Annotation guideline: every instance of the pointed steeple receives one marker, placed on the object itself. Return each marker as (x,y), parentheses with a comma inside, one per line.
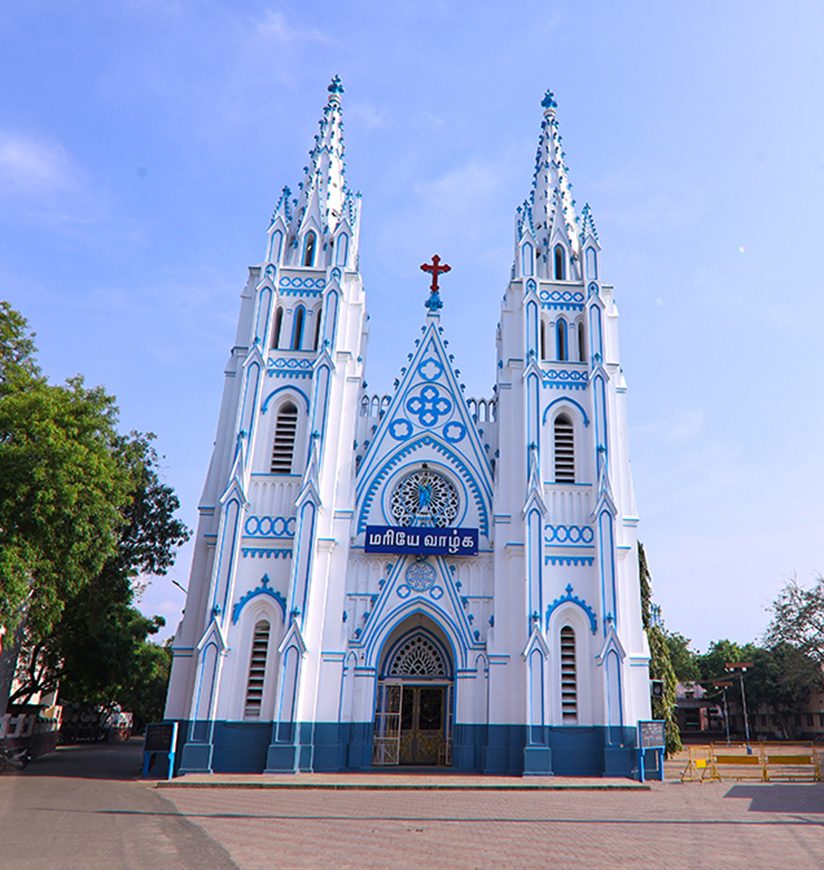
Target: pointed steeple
(323,193)
(548,214)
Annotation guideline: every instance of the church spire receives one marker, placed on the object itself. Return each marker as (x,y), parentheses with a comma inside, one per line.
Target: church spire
(548,214)
(323,194)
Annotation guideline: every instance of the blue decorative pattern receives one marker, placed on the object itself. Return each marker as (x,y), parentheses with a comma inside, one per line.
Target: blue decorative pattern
(565,379)
(262,589)
(265,553)
(430,368)
(400,429)
(573,599)
(566,300)
(301,286)
(429,406)
(562,536)
(454,432)
(289,367)
(269,527)
(568,560)
(420,576)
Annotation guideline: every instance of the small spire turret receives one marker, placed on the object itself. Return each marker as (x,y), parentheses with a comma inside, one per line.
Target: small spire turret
(549,211)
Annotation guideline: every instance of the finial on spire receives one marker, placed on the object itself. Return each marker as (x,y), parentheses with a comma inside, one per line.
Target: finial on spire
(548,102)
(335,88)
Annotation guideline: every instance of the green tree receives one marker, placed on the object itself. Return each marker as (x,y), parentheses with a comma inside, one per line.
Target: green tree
(798,618)
(660,665)
(684,660)
(62,486)
(712,663)
(99,650)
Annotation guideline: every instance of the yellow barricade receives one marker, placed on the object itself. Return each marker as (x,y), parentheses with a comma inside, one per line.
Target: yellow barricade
(697,765)
(796,763)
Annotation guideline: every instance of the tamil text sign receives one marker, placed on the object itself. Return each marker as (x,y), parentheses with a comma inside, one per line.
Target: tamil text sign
(421,541)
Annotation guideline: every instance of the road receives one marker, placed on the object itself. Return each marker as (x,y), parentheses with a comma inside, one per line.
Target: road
(85,808)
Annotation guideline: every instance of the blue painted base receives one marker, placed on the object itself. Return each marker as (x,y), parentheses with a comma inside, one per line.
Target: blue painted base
(257,747)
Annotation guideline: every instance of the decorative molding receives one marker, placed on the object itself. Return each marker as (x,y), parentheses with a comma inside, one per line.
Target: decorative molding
(563,536)
(262,589)
(301,286)
(566,300)
(569,598)
(269,527)
(569,561)
(289,367)
(265,553)
(564,379)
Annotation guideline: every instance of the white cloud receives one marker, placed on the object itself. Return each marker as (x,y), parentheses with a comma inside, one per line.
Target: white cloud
(34,167)
(367,115)
(274,27)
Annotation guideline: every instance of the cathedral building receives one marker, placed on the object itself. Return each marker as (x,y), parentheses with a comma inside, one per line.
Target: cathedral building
(416,577)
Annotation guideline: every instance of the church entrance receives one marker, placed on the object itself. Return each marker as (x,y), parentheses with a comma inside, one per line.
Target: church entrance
(413,710)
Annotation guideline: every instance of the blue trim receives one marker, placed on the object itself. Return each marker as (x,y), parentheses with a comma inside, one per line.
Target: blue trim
(569,402)
(262,589)
(569,598)
(289,389)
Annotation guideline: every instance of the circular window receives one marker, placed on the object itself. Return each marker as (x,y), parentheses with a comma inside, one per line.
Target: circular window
(424,498)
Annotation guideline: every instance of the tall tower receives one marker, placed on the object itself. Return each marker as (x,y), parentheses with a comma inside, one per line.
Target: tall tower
(280,479)
(564,486)
(415,576)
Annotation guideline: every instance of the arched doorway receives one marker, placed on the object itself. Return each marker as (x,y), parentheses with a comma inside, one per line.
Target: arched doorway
(413,707)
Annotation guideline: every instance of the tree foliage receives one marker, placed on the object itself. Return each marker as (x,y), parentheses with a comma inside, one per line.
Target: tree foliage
(660,666)
(684,660)
(83,512)
(98,651)
(798,618)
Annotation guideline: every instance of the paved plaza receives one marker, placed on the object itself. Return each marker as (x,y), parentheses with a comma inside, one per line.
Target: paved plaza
(85,807)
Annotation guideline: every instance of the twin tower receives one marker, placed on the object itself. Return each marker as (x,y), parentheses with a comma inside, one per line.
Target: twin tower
(416,577)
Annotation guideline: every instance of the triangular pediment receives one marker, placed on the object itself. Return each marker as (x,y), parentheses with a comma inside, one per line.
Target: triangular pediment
(428,420)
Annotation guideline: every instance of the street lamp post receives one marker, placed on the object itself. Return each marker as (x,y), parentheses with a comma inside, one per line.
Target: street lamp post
(724,685)
(740,668)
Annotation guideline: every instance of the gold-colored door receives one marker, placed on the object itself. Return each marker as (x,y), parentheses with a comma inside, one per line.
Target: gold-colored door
(422,725)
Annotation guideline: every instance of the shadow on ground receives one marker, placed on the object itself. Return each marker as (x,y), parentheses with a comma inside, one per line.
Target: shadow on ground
(781,797)
(115,761)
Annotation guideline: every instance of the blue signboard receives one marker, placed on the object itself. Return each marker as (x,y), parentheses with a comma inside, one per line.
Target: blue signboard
(421,541)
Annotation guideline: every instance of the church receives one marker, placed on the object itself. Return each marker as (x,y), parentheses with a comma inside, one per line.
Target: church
(416,577)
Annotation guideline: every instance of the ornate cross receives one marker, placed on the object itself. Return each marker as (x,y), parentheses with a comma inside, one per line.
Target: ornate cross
(435,268)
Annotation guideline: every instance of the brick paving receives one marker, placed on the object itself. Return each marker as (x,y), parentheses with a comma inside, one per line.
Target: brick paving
(719,825)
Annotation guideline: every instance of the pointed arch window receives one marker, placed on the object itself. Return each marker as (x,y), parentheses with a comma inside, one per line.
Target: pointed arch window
(564,442)
(569,677)
(592,263)
(526,259)
(543,341)
(257,671)
(316,341)
(561,340)
(342,249)
(283,447)
(297,328)
(309,246)
(275,243)
(582,342)
(277,327)
(559,263)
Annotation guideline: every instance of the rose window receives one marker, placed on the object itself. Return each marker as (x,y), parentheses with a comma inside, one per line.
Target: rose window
(424,498)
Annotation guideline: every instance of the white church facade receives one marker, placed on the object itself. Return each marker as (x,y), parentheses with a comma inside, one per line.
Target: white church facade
(416,578)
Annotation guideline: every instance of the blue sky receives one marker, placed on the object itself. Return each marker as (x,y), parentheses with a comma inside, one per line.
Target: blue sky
(143,144)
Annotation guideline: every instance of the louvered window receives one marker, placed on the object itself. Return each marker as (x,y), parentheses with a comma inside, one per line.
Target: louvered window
(257,671)
(283,448)
(564,450)
(569,677)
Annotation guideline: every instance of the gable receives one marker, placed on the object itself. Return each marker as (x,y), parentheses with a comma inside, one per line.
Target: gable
(429,421)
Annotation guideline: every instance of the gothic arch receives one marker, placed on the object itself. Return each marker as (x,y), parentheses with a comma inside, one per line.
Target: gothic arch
(453,463)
